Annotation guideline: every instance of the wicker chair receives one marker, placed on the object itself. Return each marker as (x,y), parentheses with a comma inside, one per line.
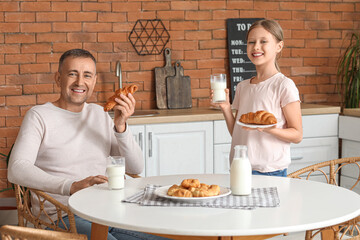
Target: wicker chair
(344,230)
(15,232)
(25,215)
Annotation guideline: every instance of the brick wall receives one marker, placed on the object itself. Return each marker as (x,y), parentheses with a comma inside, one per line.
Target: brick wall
(33,34)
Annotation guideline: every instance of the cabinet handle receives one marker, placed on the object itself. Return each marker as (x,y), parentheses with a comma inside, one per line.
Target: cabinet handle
(150,144)
(141,141)
(296,158)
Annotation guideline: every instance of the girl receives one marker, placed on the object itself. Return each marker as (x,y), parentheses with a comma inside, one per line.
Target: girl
(269,90)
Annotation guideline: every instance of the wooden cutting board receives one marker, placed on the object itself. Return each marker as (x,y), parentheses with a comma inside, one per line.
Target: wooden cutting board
(161,73)
(178,89)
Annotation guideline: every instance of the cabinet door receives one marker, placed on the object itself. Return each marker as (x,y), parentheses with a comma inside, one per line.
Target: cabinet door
(138,131)
(221,158)
(221,133)
(179,148)
(311,151)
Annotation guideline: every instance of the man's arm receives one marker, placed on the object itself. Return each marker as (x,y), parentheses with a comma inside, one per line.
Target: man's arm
(22,169)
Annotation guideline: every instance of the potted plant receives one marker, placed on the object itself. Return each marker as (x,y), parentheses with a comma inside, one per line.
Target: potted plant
(348,74)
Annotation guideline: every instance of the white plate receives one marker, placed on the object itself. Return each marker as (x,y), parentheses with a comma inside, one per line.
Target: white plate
(162,192)
(257,126)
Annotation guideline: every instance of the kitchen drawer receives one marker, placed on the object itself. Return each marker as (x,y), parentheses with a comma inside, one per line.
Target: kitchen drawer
(221,133)
(324,125)
(348,182)
(221,158)
(349,128)
(311,151)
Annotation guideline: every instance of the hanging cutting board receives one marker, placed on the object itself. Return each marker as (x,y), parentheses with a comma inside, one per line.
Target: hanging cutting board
(178,89)
(161,73)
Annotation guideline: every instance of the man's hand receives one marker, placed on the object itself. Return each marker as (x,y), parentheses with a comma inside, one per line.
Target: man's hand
(87,182)
(123,110)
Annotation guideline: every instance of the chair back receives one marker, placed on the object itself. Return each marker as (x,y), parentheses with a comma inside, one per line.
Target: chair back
(41,218)
(331,171)
(9,232)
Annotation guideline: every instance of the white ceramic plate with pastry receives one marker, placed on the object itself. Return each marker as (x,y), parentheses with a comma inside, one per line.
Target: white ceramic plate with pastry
(258,125)
(162,192)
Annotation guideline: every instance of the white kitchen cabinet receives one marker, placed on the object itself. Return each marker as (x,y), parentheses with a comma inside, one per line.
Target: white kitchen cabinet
(221,158)
(311,151)
(178,148)
(322,125)
(349,132)
(204,147)
(320,143)
(138,132)
(222,145)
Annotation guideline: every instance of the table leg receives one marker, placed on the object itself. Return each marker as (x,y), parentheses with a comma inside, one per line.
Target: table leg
(327,234)
(99,232)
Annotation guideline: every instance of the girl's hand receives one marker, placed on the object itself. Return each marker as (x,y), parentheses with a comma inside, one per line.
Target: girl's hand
(259,129)
(222,105)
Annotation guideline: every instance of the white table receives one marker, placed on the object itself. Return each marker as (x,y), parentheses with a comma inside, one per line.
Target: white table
(304,205)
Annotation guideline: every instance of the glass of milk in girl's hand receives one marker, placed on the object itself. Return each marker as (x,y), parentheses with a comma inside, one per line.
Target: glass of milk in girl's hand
(218,85)
(115,172)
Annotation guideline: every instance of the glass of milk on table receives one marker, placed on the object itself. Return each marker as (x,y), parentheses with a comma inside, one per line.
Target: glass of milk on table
(218,84)
(115,172)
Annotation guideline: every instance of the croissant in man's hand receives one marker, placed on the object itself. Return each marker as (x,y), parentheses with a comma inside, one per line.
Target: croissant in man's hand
(260,118)
(110,104)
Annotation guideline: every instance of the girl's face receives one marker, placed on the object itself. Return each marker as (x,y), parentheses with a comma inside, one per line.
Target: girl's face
(262,47)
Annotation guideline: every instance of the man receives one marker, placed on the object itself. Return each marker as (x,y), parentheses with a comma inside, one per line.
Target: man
(62,146)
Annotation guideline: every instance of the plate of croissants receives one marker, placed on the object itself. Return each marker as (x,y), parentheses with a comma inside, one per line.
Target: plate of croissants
(259,119)
(191,190)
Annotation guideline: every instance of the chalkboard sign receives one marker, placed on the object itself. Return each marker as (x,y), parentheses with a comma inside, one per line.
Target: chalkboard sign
(240,67)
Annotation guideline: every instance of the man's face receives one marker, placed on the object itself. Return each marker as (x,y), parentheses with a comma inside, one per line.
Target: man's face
(77,79)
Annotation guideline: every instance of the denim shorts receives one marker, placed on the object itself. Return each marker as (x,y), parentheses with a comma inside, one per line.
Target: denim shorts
(279,173)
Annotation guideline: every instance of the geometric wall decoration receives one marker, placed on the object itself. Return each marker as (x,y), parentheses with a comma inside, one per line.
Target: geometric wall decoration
(149,37)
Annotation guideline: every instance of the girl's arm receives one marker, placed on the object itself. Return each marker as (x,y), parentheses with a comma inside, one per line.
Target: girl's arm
(293,133)
(226,109)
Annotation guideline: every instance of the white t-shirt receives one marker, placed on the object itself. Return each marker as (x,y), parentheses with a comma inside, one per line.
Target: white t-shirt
(56,147)
(266,152)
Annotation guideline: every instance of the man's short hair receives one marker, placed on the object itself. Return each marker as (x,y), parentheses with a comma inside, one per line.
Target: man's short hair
(75,53)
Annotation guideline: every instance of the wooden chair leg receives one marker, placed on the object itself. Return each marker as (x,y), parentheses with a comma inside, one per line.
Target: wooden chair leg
(308,235)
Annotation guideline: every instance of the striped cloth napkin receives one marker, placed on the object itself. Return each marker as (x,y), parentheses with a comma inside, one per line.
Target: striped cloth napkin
(259,197)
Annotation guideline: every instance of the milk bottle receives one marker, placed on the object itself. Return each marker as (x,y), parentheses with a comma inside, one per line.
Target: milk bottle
(240,172)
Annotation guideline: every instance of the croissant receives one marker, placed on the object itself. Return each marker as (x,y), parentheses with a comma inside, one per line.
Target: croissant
(110,104)
(260,117)
(193,188)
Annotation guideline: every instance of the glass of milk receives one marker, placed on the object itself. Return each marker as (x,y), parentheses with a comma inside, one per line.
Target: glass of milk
(115,172)
(218,85)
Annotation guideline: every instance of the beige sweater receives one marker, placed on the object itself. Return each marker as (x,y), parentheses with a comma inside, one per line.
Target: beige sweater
(56,147)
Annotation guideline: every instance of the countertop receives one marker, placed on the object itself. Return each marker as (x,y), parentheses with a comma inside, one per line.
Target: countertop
(354,112)
(210,114)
